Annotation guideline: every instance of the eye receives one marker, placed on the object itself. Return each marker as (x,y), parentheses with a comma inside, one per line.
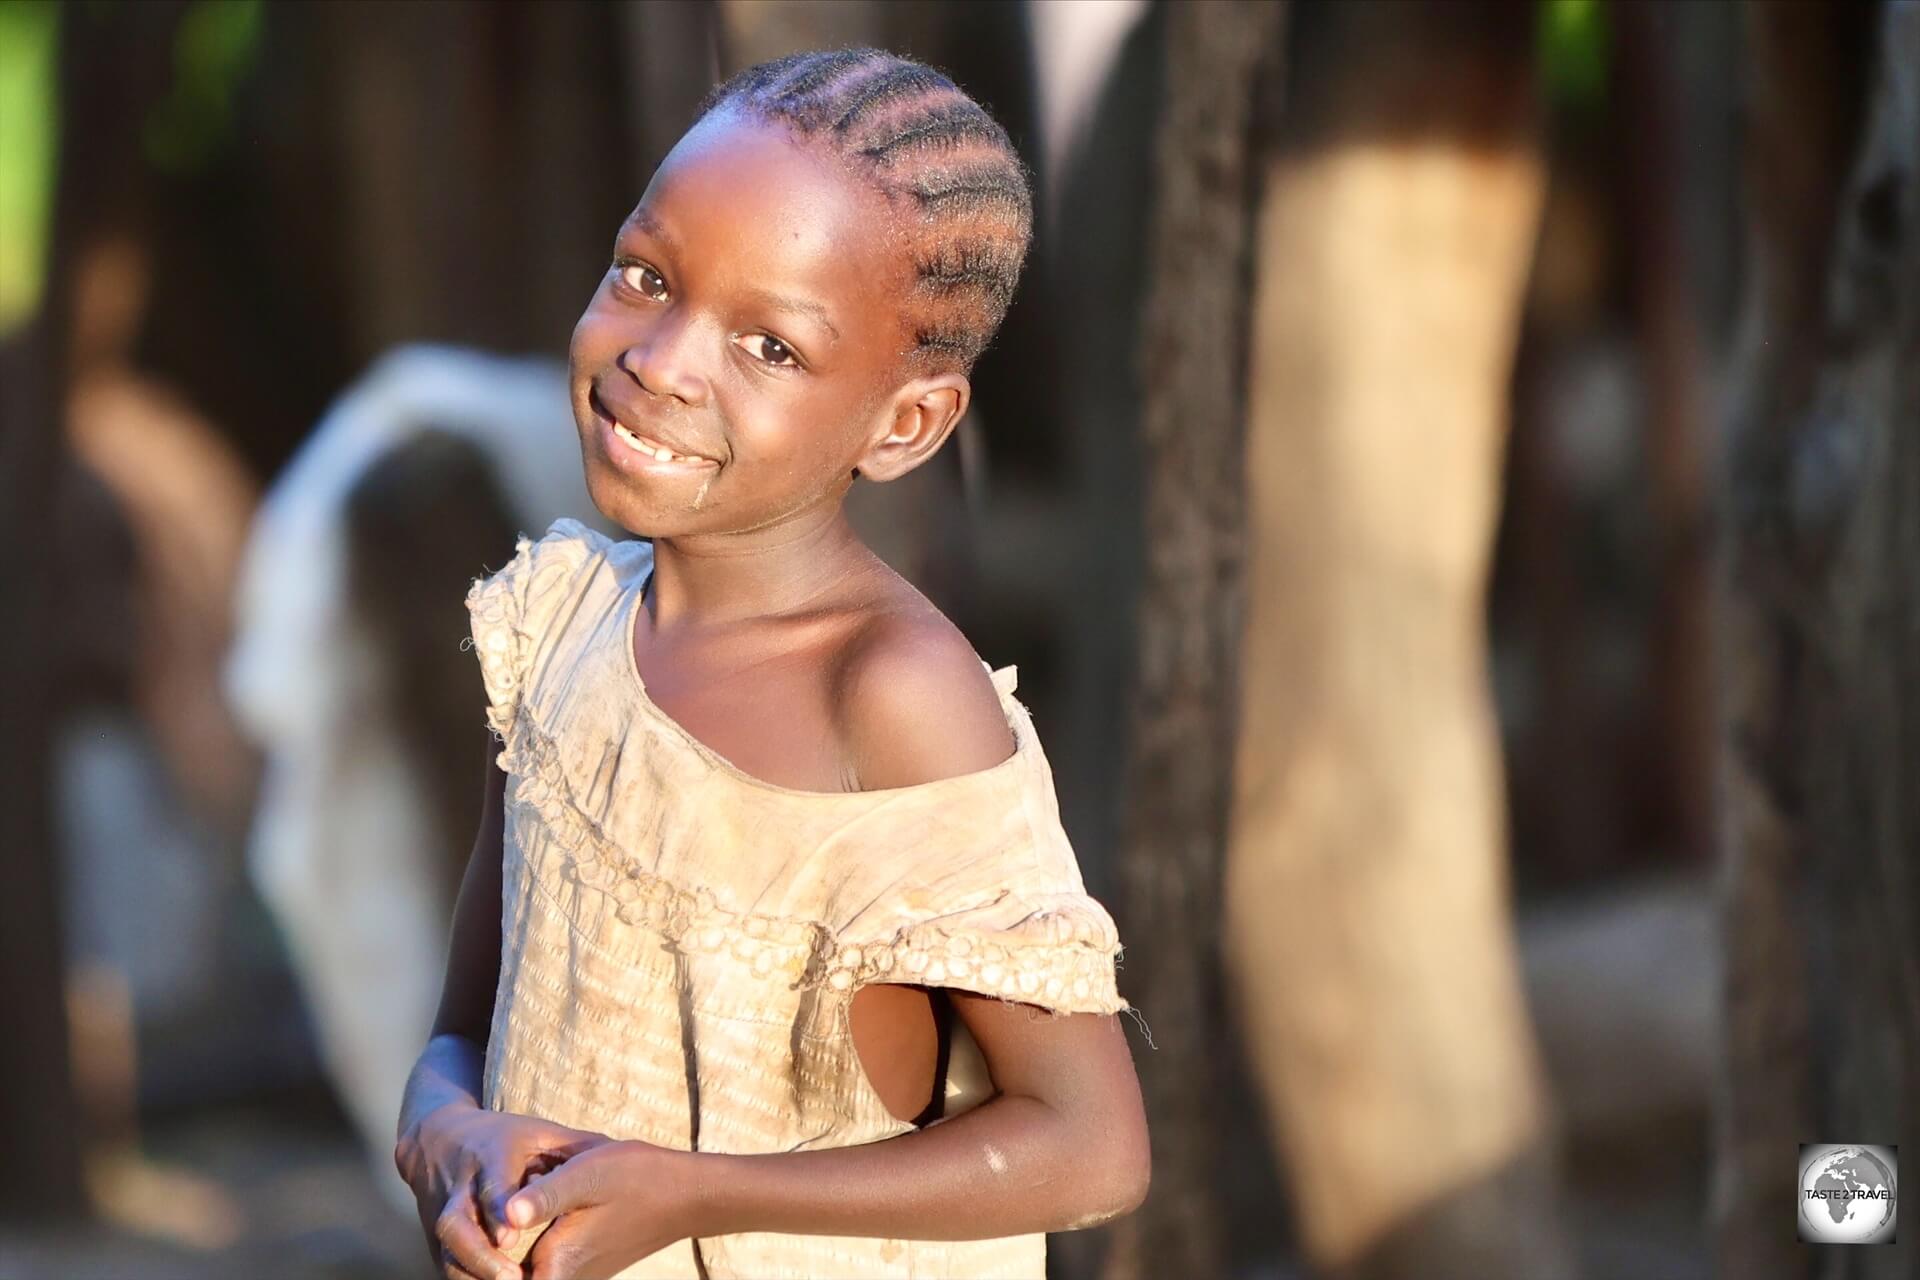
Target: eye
(768,349)
(644,280)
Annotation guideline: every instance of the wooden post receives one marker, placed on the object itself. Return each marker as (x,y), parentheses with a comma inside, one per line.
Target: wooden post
(1818,610)
(1173,835)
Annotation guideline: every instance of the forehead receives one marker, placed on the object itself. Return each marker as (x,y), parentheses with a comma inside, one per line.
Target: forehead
(744,197)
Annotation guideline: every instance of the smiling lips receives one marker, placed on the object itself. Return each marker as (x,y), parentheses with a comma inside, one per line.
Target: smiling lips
(657,451)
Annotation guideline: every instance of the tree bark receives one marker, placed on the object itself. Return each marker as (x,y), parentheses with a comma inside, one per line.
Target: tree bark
(1678,745)
(1180,759)
(1367,926)
(1818,606)
(38,1108)
(39,1111)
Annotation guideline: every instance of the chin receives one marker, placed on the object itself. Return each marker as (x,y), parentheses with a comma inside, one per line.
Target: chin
(640,513)
(615,500)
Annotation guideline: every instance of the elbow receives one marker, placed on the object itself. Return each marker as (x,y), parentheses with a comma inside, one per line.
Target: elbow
(1134,1165)
(1136,1177)
(1129,1171)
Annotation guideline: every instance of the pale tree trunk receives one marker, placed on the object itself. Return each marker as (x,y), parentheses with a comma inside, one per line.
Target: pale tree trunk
(1820,607)
(1368,926)
(1180,758)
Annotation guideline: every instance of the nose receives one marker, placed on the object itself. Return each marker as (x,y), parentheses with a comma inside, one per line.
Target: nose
(662,359)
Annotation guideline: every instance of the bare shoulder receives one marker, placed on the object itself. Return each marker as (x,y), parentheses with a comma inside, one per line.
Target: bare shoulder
(915,703)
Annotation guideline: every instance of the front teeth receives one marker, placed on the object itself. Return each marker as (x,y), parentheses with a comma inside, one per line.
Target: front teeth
(665,455)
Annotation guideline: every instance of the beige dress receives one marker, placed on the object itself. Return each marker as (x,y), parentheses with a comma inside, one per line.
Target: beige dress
(682,941)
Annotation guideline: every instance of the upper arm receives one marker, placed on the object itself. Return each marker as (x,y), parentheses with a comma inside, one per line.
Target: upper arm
(916,705)
(1078,1064)
(473,944)
(919,705)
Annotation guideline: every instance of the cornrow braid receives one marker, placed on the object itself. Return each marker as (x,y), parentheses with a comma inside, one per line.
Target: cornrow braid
(934,153)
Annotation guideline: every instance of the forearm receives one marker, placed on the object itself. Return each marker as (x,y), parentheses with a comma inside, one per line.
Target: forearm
(448,1071)
(1008,1167)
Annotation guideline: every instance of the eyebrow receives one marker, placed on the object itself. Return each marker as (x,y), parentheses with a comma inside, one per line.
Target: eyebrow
(643,219)
(798,306)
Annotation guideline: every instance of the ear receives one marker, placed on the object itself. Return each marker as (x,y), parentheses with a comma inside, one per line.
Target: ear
(918,418)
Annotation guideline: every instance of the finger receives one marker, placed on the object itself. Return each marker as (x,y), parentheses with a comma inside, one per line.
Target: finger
(564,1143)
(464,1244)
(452,1270)
(559,1143)
(574,1185)
(492,1198)
(437,1253)
(555,1255)
(429,1219)
(545,1163)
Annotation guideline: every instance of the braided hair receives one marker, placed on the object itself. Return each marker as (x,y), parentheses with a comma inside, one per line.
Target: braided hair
(934,153)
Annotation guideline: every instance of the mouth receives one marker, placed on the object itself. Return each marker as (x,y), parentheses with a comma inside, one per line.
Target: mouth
(644,451)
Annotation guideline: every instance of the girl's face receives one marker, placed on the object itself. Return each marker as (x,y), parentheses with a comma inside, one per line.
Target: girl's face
(749,323)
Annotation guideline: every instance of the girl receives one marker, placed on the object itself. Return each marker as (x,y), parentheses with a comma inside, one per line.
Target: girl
(779,849)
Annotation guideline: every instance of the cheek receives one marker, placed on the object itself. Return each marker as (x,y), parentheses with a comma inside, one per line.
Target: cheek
(590,335)
(804,430)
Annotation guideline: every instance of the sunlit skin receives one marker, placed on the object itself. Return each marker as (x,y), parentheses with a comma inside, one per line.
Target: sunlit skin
(751,316)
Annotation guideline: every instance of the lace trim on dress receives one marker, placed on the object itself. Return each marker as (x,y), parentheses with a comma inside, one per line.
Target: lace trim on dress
(502,649)
(1059,953)
(500,605)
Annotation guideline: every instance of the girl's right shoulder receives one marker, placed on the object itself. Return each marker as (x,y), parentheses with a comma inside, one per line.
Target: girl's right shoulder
(514,609)
(539,568)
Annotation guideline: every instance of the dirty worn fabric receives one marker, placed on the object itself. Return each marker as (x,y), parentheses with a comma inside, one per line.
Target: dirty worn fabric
(681,941)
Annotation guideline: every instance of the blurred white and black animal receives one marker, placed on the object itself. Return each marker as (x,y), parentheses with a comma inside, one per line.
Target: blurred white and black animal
(350,669)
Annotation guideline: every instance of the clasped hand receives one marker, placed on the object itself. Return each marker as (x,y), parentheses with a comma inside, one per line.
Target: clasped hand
(504,1196)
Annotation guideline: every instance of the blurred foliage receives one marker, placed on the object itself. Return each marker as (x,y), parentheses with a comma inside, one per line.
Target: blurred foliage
(214,47)
(215,44)
(29,130)
(1573,49)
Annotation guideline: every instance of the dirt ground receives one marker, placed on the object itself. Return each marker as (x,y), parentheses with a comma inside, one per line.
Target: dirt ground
(296,1201)
(239,1193)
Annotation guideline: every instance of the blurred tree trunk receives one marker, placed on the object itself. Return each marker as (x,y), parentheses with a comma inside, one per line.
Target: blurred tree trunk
(1180,762)
(672,56)
(1677,749)
(1367,921)
(472,134)
(1821,687)
(108,67)
(38,1107)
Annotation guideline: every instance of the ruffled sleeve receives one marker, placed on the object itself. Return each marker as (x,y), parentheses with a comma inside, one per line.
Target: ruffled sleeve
(990,900)
(512,611)
(1057,950)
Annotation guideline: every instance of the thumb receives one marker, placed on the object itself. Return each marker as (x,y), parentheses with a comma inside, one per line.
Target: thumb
(574,1185)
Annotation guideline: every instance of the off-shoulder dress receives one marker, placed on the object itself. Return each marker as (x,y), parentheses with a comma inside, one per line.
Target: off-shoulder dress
(681,941)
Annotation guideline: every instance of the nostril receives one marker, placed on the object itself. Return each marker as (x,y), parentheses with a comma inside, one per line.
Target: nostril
(660,379)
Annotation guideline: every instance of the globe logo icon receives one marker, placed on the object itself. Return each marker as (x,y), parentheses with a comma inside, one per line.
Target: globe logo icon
(1848,1194)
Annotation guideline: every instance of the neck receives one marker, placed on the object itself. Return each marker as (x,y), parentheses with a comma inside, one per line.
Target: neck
(706,580)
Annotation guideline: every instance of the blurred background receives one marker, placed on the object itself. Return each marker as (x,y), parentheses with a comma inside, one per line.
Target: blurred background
(1448,483)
